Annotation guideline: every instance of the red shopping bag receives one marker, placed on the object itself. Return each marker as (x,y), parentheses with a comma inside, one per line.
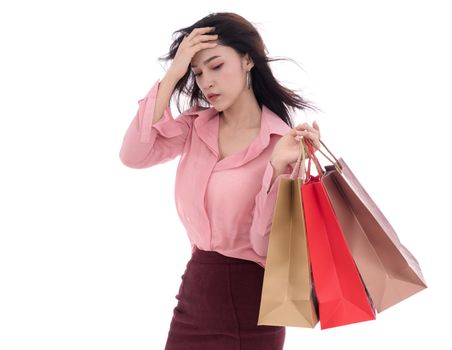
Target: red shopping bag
(341,294)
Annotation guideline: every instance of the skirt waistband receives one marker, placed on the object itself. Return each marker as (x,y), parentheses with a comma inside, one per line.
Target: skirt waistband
(213,257)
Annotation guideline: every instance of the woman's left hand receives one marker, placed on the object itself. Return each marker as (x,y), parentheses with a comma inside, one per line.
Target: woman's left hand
(311,133)
(286,149)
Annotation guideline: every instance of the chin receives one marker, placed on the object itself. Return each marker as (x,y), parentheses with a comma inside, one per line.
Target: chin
(220,107)
(217,108)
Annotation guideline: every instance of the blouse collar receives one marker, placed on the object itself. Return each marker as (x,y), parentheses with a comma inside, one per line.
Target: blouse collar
(207,127)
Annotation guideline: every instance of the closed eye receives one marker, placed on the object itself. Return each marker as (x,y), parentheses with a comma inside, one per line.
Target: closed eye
(215,68)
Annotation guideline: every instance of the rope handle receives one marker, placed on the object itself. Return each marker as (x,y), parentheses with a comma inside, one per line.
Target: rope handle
(311,155)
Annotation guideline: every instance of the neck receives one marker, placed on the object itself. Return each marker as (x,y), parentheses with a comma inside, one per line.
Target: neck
(244,113)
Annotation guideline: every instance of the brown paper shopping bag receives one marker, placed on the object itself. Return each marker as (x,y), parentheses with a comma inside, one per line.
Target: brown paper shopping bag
(389,271)
(288,295)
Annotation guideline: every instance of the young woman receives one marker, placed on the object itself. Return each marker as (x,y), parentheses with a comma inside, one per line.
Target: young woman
(236,140)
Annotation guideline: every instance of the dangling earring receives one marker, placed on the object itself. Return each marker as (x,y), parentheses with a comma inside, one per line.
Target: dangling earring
(248,79)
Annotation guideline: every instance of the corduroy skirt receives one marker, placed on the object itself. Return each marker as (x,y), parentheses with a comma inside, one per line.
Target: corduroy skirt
(218,307)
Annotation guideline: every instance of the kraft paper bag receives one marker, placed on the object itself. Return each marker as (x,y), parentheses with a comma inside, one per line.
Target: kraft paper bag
(389,271)
(288,296)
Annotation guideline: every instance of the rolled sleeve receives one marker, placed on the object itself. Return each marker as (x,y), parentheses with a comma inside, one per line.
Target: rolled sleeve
(146,143)
(264,208)
(166,126)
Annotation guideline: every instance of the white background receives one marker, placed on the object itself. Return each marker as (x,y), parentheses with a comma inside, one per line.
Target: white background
(92,252)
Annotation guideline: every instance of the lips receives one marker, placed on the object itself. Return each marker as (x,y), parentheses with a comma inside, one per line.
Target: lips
(212,97)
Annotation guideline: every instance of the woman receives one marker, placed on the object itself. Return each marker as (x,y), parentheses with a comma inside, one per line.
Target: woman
(235,141)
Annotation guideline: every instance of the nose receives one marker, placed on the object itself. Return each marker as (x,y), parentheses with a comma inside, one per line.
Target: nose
(205,81)
(208,87)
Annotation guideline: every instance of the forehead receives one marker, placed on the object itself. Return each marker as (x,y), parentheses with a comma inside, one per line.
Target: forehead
(204,56)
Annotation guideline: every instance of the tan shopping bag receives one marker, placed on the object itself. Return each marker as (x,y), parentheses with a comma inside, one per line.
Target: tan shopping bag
(288,295)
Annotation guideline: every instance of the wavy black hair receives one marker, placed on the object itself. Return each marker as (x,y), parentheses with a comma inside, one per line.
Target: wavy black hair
(238,33)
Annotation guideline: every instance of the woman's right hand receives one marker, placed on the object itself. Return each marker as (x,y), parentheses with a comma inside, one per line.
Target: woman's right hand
(189,46)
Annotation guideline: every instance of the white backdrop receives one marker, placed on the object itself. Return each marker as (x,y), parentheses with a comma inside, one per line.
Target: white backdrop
(91,251)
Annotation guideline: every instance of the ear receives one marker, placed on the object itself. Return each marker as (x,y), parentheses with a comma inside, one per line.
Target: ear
(248,61)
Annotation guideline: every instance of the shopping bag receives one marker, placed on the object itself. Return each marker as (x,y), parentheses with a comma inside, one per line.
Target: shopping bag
(341,294)
(288,297)
(389,271)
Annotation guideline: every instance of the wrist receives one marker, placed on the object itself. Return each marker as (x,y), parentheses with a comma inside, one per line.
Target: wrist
(278,165)
(171,77)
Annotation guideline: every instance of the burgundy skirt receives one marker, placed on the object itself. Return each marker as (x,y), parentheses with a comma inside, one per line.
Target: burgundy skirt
(218,307)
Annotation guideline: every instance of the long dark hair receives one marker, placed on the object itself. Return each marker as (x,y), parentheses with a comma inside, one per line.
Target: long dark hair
(238,33)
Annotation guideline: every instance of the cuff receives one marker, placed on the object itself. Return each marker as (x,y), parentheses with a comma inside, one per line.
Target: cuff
(166,126)
(268,174)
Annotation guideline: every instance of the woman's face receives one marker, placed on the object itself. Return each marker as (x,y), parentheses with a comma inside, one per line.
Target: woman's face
(220,70)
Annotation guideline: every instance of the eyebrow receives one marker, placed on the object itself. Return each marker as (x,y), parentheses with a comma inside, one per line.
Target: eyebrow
(206,61)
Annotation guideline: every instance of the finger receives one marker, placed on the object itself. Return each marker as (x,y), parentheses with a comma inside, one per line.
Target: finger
(197,31)
(302,126)
(205,37)
(295,132)
(313,140)
(316,126)
(315,143)
(204,45)
(313,131)
(305,132)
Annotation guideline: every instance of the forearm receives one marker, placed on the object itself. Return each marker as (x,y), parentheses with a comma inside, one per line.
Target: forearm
(165,90)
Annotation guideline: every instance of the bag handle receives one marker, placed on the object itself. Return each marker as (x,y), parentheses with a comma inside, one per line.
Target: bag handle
(299,164)
(320,171)
(311,155)
(336,164)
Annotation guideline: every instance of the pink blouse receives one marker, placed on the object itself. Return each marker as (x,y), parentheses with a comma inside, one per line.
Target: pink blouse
(225,205)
